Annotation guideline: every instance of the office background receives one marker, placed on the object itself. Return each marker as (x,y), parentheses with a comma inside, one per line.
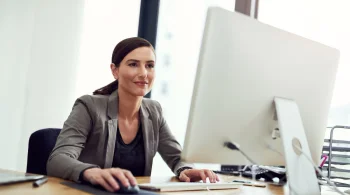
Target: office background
(54,51)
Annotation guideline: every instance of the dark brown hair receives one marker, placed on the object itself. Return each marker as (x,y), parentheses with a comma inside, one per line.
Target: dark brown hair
(120,51)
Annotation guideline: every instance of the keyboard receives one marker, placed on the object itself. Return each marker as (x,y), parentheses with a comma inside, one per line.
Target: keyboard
(187,186)
(279,170)
(267,174)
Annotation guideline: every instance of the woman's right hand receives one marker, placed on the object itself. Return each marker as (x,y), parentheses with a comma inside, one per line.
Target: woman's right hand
(107,178)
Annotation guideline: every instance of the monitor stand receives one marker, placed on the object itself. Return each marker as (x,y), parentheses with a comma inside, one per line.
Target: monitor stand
(301,174)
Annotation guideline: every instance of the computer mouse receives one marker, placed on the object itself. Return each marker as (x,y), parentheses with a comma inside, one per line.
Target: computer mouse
(347,191)
(127,190)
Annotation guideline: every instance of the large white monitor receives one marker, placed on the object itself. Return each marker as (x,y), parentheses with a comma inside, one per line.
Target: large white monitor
(244,64)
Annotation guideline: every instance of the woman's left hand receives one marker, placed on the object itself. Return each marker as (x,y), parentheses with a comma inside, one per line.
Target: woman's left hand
(192,175)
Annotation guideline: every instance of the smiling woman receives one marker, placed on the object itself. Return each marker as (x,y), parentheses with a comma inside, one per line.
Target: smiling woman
(131,57)
(113,135)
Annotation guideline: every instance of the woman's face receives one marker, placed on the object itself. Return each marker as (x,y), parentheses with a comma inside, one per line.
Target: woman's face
(136,71)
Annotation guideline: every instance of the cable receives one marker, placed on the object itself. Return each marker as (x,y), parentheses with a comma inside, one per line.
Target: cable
(313,164)
(235,146)
(331,184)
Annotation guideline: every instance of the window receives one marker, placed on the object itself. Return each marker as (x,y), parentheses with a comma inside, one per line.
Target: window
(180,28)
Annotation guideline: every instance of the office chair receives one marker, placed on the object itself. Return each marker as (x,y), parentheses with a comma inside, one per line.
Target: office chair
(41,143)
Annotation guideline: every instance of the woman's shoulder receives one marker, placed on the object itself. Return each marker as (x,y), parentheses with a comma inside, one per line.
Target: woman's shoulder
(152,105)
(94,98)
(94,101)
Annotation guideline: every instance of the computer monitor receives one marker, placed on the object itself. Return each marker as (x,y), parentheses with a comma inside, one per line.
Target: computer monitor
(244,64)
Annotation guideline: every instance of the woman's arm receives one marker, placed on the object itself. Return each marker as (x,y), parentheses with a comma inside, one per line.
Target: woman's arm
(169,148)
(63,161)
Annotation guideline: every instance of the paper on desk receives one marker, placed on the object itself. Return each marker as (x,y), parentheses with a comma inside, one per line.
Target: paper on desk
(346,181)
(342,166)
(326,190)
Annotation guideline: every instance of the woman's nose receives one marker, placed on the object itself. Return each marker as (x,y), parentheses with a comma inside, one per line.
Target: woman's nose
(143,71)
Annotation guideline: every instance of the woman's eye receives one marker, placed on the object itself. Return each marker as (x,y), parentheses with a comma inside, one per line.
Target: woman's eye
(132,64)
(150,66)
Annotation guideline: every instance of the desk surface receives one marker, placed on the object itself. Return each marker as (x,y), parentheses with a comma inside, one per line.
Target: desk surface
(53,187)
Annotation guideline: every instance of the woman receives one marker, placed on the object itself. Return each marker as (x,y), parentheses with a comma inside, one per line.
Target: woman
(115,133)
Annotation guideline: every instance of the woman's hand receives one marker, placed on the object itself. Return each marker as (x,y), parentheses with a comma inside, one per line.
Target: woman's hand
(107,178)
(189,175)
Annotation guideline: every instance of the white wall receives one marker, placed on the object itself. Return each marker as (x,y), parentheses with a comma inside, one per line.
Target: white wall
(51,53)
(38,70)
(16,28)
(105,24)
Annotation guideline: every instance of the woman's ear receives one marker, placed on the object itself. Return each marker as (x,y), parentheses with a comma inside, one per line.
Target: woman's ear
(115,70)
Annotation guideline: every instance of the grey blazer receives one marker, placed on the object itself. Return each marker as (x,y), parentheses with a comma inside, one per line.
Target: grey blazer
(89,134)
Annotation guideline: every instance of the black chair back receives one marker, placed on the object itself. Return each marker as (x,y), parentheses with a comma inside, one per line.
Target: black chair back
(41,143)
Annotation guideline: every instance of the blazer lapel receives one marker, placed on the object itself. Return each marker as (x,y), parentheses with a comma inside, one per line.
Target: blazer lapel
(112,111)
(147,132)
(148,138)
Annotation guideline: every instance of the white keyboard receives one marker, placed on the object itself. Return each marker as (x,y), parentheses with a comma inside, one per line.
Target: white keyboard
(186,186)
